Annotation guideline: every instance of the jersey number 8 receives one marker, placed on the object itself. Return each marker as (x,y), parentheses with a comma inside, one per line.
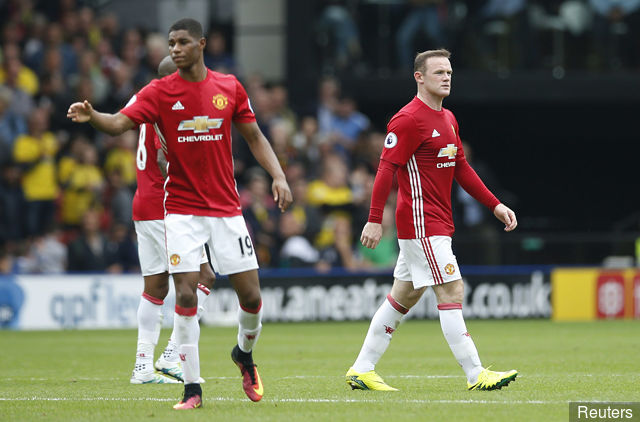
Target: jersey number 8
(141,153)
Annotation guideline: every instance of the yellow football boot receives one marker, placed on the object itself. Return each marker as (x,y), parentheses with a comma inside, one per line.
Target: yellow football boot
(367,381)
(492,380)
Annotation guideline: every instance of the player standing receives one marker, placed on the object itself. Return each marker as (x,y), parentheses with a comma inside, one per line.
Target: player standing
(423,147)
(192,111)
(148,216)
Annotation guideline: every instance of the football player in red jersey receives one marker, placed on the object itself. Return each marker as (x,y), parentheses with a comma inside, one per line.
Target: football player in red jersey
(192,111)
(423,148)
(148,216)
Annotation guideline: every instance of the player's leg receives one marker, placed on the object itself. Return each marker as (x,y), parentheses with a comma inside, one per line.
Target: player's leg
(449,290)
(247,287)
(149,317)
(384,323)
(169,361)
(187,336)
(232,253)
(185,236)
(403,295)
(450,296)
(156,286)
(207,280)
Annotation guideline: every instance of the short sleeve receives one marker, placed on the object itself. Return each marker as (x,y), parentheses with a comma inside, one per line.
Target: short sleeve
(402,139)
(243,112)
(143,106)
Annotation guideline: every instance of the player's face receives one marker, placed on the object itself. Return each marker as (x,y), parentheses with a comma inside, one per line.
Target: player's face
(437,76)
(185,50)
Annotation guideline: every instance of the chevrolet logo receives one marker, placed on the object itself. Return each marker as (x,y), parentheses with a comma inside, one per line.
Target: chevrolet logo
(200,124)
(449,151)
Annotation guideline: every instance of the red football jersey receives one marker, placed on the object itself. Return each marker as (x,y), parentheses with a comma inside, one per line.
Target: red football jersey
(193,123)
(149,196)
(426,146)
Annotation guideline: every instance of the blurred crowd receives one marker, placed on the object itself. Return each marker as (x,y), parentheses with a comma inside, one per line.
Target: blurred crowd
(66,190)
(495,35)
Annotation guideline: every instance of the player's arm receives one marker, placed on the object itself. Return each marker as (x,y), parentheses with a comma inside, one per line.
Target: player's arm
(399,145)
(471,182)
(507,216)
(112,124)
(261,149)
(372,231)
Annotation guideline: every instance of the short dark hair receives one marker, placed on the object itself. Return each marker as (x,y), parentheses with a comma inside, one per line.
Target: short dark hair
(192,26)
(420,63)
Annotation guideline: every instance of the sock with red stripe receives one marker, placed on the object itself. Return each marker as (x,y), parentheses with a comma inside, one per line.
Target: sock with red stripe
(149,322)
(170,353)
(383,324)
(187,332)
(249,327)
(203,294)
(460,342)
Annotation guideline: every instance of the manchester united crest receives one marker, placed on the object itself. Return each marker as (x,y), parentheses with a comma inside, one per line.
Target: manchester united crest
(450,269)
(220,101)
(174,259)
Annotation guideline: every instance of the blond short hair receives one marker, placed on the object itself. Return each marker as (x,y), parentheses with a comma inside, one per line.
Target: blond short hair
(420,63)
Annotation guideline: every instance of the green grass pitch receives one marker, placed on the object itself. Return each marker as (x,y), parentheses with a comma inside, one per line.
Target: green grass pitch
(84,375)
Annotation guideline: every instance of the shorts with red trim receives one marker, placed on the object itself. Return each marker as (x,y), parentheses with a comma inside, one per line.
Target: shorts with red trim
(427,261)
(228,239)
(152,249)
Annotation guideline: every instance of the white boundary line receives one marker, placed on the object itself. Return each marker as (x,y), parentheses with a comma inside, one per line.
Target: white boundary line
(520,376)
(231,378)
(284,400)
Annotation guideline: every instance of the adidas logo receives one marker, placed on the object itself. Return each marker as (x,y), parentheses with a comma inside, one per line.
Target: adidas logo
(177,106)
(433,135)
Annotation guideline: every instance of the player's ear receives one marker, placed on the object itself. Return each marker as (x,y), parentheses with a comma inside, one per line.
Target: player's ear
(202,42)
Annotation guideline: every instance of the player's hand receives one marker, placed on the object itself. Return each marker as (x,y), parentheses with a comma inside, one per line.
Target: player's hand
(507,216)
(80,112)
(281,193)
(371,235)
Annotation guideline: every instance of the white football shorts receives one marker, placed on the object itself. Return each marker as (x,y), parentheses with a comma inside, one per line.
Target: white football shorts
(152,251)
(427,261)
(229,243)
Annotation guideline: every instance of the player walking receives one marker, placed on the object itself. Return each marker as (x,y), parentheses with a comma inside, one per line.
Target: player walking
(192,111)
(149,225)
(148,216)
(423,148)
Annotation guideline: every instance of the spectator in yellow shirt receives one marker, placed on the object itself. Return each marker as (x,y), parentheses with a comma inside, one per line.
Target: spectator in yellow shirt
(35,153)
(82,186)
(26,80)
(332,195)
(122,157)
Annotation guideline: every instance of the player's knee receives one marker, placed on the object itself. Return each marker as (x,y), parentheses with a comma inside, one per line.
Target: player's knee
(406,295)
(161,291)
(185,295)
(250,300)
(452,292)
(414,295)
(157,285)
